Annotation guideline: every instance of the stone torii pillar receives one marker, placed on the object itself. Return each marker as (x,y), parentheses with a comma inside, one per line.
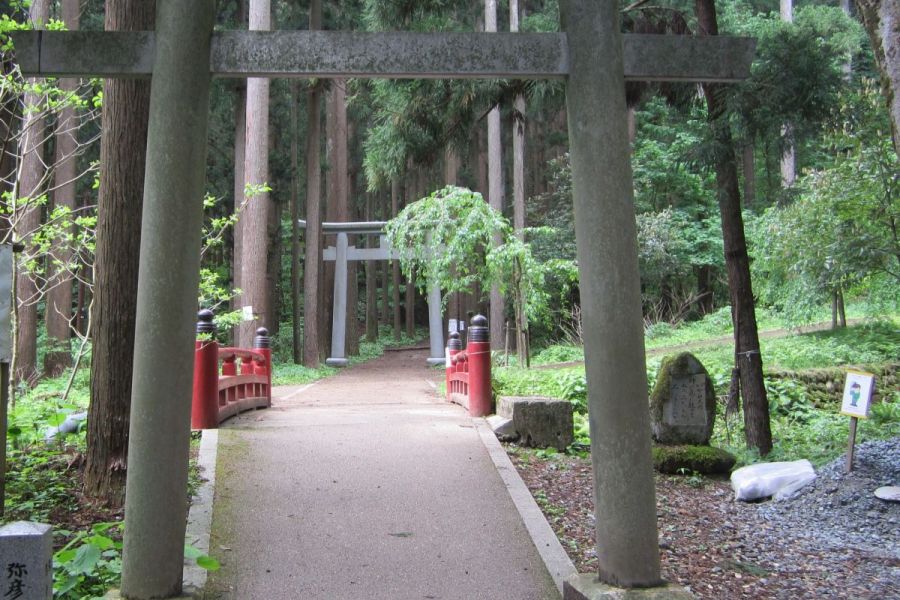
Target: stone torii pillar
(595,59)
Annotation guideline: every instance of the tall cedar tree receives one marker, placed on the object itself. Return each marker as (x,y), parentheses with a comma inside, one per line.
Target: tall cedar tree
(59,298)
(126,111)
(313,252)
(256,214)
(881,19)
(746,339)
(30,185)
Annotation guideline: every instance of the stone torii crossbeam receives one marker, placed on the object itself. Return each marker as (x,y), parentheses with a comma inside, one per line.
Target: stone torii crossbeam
(593,58)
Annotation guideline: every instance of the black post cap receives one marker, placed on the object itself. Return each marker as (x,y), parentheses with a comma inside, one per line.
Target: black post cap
(478,329)
(455,343)
(262,339)
(205,322)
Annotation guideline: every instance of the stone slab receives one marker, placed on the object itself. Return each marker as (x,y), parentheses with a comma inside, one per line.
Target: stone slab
(582,586)
(540,422)
(324,54)
(26,561)
(683,402)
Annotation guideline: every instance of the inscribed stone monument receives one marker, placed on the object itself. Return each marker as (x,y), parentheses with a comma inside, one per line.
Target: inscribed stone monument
(683,402)
(26,555)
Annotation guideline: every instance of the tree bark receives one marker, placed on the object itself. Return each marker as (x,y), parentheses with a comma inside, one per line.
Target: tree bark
(126,106)
(747,355)
(385,203)
(255,217)
(240,154)
(30,185)
(749,166)
(313,254)
(495,186)
(371,284)
(296,276)
(395,264)
(59,299)
(788,155)
(881,19)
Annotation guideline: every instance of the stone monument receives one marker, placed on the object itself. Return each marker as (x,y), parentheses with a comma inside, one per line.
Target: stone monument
(683,402)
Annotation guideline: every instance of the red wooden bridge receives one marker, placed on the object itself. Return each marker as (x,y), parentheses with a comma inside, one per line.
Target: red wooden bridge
(228,381)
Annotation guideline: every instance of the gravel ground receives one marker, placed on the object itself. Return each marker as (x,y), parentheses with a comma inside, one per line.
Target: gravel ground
(834,540)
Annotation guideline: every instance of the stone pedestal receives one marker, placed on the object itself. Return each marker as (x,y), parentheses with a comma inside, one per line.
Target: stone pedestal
(588,587)
(26,561)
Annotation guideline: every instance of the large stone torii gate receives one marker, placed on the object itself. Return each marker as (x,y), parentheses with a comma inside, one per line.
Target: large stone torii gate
(594,59)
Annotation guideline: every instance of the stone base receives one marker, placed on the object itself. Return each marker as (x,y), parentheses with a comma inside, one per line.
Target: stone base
(437,360)
(337,362)
(116,595)
(587,587)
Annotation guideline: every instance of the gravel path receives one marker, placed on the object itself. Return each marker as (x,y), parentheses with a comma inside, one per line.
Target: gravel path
(835,540)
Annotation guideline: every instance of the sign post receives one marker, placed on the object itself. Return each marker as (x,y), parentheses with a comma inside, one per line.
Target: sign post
(857,398)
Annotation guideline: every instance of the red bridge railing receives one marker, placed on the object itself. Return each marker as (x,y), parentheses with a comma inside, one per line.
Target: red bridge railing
(228,381)
(469,370)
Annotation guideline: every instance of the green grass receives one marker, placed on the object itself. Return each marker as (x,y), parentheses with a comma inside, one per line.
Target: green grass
(799,429)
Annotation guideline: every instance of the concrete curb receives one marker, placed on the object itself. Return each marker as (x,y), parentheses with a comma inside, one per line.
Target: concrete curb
(558,563)
(200,515)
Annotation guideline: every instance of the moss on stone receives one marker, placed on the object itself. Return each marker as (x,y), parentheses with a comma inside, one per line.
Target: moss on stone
(707,460)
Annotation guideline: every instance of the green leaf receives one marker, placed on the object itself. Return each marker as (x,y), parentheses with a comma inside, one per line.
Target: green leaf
(86,560)
(208,563)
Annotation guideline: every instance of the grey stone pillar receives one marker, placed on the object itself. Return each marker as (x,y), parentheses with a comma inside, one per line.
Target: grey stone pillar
(156,498)
(339,310)
(26,558)
(627,550)
(435,326)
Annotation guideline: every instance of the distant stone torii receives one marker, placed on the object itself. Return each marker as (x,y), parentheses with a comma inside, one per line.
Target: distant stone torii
(593,58)
(342,253)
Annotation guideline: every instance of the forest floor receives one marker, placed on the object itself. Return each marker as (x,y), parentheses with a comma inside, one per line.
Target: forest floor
(720,548)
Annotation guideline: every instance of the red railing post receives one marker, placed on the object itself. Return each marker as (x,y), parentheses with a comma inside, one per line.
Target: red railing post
(478,353)
(205,401)
(453,348)
(262,344)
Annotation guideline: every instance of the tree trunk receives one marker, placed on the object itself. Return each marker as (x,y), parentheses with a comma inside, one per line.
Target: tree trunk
(30,185)
(296,286)
(495,185)
(254,244)
(371,284)
(337,207)
(58,313)
(749,361)
(881,19)
(395,264)
(385,202)
(788,156)
(313,255)
(126,106)
(240,155)
(749,164)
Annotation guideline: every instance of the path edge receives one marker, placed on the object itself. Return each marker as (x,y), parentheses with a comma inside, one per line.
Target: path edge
(555,559)
(199,520)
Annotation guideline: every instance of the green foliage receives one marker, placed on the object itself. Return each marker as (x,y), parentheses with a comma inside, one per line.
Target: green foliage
(558,353)
(448,239)
(841,233)
(89,564)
